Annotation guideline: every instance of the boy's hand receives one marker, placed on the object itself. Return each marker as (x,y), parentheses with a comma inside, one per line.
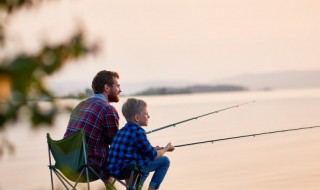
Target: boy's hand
(169,147)
(158,148)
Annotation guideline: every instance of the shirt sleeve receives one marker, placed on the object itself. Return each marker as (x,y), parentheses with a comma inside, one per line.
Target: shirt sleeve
(112,121)
(144,146)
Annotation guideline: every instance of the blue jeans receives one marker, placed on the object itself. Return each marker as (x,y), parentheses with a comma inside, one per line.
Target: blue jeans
(160,168)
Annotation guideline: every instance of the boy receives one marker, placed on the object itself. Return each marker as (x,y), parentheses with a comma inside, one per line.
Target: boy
(130,145)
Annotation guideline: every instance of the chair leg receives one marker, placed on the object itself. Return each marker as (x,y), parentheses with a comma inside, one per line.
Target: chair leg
(87,174)
(110,185)
(131,178)
(74,187)
(133,181)
(50,168)
(62,179)
(52,187)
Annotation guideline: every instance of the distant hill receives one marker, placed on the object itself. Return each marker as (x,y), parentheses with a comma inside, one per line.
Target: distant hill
(275,80)
(259,81)
(138,87)
(191,89)
(250,81)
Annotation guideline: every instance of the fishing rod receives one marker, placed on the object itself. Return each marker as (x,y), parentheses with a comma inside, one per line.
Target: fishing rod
(244,136)
(217,111)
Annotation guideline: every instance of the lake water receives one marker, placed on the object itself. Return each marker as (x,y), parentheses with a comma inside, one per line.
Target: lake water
(282,161)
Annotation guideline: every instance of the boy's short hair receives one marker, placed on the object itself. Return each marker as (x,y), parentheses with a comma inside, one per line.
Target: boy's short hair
(103,77)
(132,107)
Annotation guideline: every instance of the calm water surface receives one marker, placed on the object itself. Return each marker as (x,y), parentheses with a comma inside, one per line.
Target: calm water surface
(282,161)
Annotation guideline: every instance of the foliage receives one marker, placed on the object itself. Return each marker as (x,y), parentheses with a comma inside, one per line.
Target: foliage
(10,5)
(22,77)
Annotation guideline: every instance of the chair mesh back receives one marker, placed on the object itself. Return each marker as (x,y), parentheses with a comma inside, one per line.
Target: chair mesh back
(68,154)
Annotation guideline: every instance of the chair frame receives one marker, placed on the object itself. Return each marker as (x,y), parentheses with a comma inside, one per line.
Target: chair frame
(86,167)
(132,181)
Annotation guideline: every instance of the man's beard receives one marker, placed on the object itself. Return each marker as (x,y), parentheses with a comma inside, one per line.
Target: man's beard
(113,97)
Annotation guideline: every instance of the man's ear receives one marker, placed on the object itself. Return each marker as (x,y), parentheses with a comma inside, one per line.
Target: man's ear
(106,87)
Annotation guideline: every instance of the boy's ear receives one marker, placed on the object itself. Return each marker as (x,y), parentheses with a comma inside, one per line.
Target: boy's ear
(136,117)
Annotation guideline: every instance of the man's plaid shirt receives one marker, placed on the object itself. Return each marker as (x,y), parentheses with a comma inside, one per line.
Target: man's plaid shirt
(128,146)
(100,122)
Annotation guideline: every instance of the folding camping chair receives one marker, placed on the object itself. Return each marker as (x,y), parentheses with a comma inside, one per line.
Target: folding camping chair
(71,163)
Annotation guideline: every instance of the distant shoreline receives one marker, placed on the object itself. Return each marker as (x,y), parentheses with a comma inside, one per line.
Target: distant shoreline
(190,89)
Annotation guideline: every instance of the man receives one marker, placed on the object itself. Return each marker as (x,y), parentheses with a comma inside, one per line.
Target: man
(98,119)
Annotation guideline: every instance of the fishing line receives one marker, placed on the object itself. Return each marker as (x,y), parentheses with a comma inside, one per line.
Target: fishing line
(245,136)
(193,118)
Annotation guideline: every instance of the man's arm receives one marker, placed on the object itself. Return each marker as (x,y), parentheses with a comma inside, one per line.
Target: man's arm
(112,120)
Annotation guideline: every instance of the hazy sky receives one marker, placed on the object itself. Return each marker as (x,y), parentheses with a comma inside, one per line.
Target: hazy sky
(178,40)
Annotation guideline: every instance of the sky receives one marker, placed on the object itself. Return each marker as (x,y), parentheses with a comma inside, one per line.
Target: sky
(165,40)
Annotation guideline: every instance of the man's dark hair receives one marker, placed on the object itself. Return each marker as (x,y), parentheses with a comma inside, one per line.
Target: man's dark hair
(102,78)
